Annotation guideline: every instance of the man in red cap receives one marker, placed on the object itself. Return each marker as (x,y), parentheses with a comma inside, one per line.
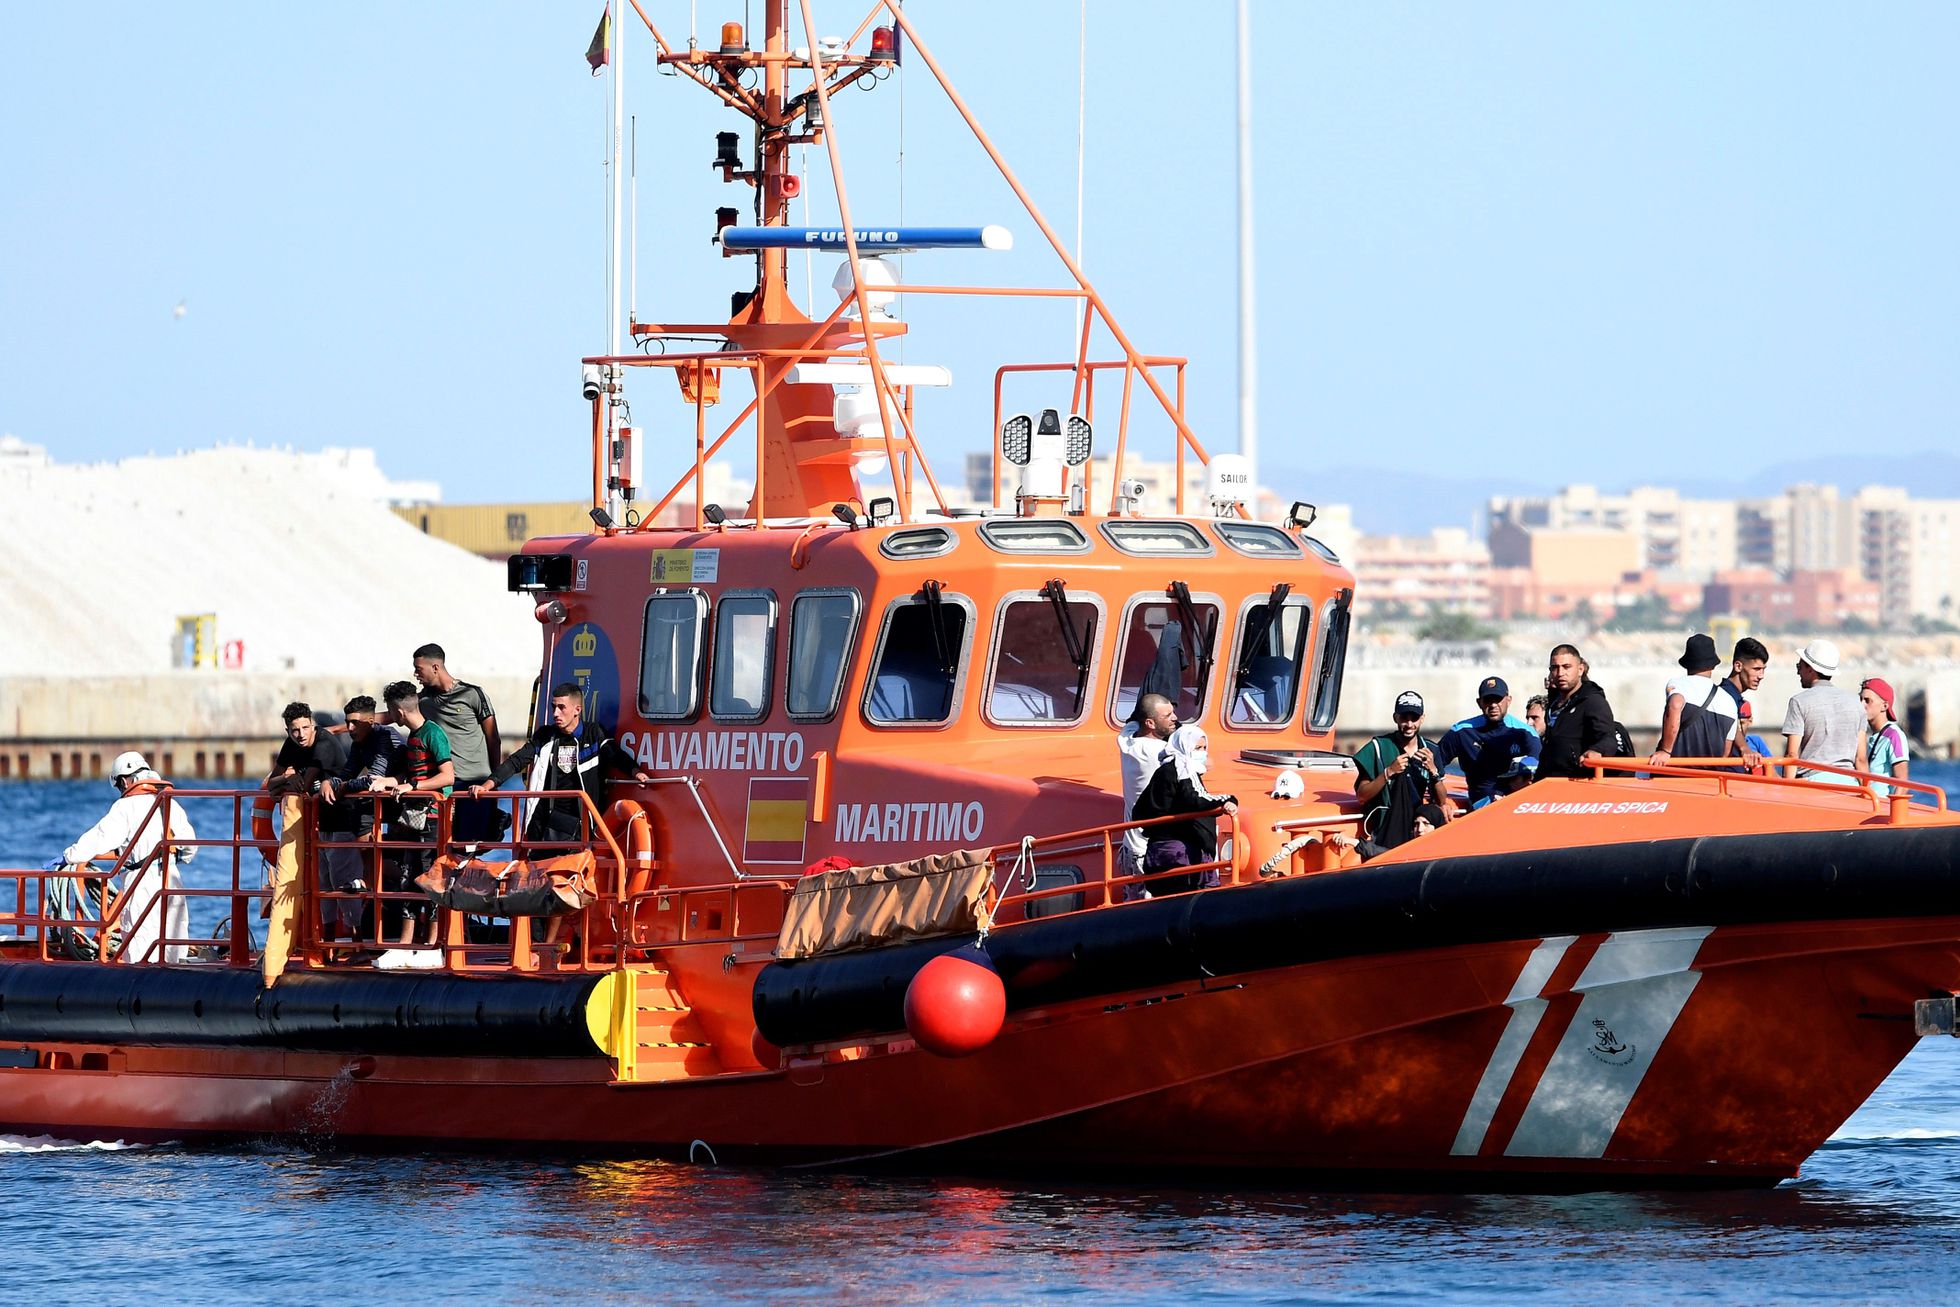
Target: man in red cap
(1885,746)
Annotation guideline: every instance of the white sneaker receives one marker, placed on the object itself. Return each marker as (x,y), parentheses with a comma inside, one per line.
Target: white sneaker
(395,959)
(426,959)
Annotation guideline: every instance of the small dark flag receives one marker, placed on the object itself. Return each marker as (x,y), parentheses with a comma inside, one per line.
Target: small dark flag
(597,53)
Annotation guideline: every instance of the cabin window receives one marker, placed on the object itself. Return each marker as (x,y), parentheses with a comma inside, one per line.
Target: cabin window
(1044,646)
(921,659)
(1331,663)
(822,624)
(1271,650)
(1166,652)
(745,644)
(918,542)
(1138,537)
(670,656)
(1034,535)
(1257,539)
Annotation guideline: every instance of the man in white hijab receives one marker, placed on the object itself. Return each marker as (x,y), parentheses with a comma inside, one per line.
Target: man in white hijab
(133,826)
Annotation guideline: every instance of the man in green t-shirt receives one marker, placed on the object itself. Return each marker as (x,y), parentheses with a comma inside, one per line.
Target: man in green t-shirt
(1396,773)
(428,772)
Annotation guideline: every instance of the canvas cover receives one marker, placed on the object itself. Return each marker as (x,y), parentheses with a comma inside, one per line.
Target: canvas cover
(864,907)
(544,888)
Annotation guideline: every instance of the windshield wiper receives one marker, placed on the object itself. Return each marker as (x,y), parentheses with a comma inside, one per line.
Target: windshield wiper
(1056,593)
(1198,644)
(942,641)
(1262,623)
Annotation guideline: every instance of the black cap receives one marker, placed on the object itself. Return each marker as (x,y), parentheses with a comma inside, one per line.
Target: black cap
(1408,701)
(1700,654)
(1492,688)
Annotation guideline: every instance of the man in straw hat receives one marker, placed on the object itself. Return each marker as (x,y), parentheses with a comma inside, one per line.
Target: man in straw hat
(1824,722)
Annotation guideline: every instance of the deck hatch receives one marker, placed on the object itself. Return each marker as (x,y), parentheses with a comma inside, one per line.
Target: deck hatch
(918,542)
(1034,536)
(1154,539)
(1257,539)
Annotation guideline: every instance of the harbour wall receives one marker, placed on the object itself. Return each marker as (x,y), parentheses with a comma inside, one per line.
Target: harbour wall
(196,724)
(216,726)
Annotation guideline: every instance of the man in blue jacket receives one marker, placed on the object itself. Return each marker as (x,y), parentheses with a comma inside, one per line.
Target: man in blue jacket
(1486,747)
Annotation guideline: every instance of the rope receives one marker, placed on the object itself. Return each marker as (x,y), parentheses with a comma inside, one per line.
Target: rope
(1270,867)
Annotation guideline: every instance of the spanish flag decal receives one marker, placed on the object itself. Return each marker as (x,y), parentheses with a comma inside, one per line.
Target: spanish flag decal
(779,810)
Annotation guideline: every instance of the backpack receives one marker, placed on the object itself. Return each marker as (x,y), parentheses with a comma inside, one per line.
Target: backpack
(1703,733)
(1620,741)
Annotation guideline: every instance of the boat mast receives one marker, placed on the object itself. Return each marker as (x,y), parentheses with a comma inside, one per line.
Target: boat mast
(1248,344)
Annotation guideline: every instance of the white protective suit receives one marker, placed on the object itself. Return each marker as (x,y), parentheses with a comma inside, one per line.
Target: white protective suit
(109,837)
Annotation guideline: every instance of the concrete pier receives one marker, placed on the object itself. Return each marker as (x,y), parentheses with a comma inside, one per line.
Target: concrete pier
(202,725)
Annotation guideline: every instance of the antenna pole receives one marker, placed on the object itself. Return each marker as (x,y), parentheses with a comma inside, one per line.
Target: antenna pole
(1248,342)
(618,159)
(633,229)
(615,373)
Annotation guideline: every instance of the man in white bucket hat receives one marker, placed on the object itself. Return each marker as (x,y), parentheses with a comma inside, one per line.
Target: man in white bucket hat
(1824,722)
(133,826)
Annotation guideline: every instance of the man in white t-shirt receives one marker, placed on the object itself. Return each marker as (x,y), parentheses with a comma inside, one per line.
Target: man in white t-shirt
(1697,687)
(1141,742)
(1824,722)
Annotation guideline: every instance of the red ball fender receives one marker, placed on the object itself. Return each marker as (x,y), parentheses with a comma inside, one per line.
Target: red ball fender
(955,1005)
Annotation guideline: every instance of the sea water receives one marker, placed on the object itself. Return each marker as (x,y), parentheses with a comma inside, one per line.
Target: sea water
(1874,1218)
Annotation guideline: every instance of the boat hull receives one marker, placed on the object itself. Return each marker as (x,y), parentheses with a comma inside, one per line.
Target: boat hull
(1675,1055)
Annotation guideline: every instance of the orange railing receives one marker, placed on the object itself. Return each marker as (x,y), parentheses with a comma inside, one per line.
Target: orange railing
(590,933)
(114,929)
(110,918)
(1096,845)
(1726,772)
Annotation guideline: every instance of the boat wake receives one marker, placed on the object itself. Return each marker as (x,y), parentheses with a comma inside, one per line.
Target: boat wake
(10,1144)
(1868,1136)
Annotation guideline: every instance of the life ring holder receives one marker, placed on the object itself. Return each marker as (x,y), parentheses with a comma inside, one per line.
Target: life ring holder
(632,828)
(263,806)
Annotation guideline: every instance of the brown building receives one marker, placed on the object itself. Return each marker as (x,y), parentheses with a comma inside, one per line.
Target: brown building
(1826,599)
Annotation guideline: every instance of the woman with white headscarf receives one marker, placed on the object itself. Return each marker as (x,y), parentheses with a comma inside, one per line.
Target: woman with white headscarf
(1176,789)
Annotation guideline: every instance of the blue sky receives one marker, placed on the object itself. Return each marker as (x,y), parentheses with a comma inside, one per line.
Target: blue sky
(1546,242)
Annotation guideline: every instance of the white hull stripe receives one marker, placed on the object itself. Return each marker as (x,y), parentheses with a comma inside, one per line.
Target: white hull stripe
(1527,1010)
(1635,989)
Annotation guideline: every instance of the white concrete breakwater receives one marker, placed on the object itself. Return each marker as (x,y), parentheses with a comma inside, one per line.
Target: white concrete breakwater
(304,566)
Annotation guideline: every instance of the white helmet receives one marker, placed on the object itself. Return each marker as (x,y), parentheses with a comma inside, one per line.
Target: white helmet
(128,764)
(1289,785)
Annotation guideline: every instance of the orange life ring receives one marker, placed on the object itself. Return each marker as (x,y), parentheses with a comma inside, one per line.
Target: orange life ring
(633,829)
(262,810)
